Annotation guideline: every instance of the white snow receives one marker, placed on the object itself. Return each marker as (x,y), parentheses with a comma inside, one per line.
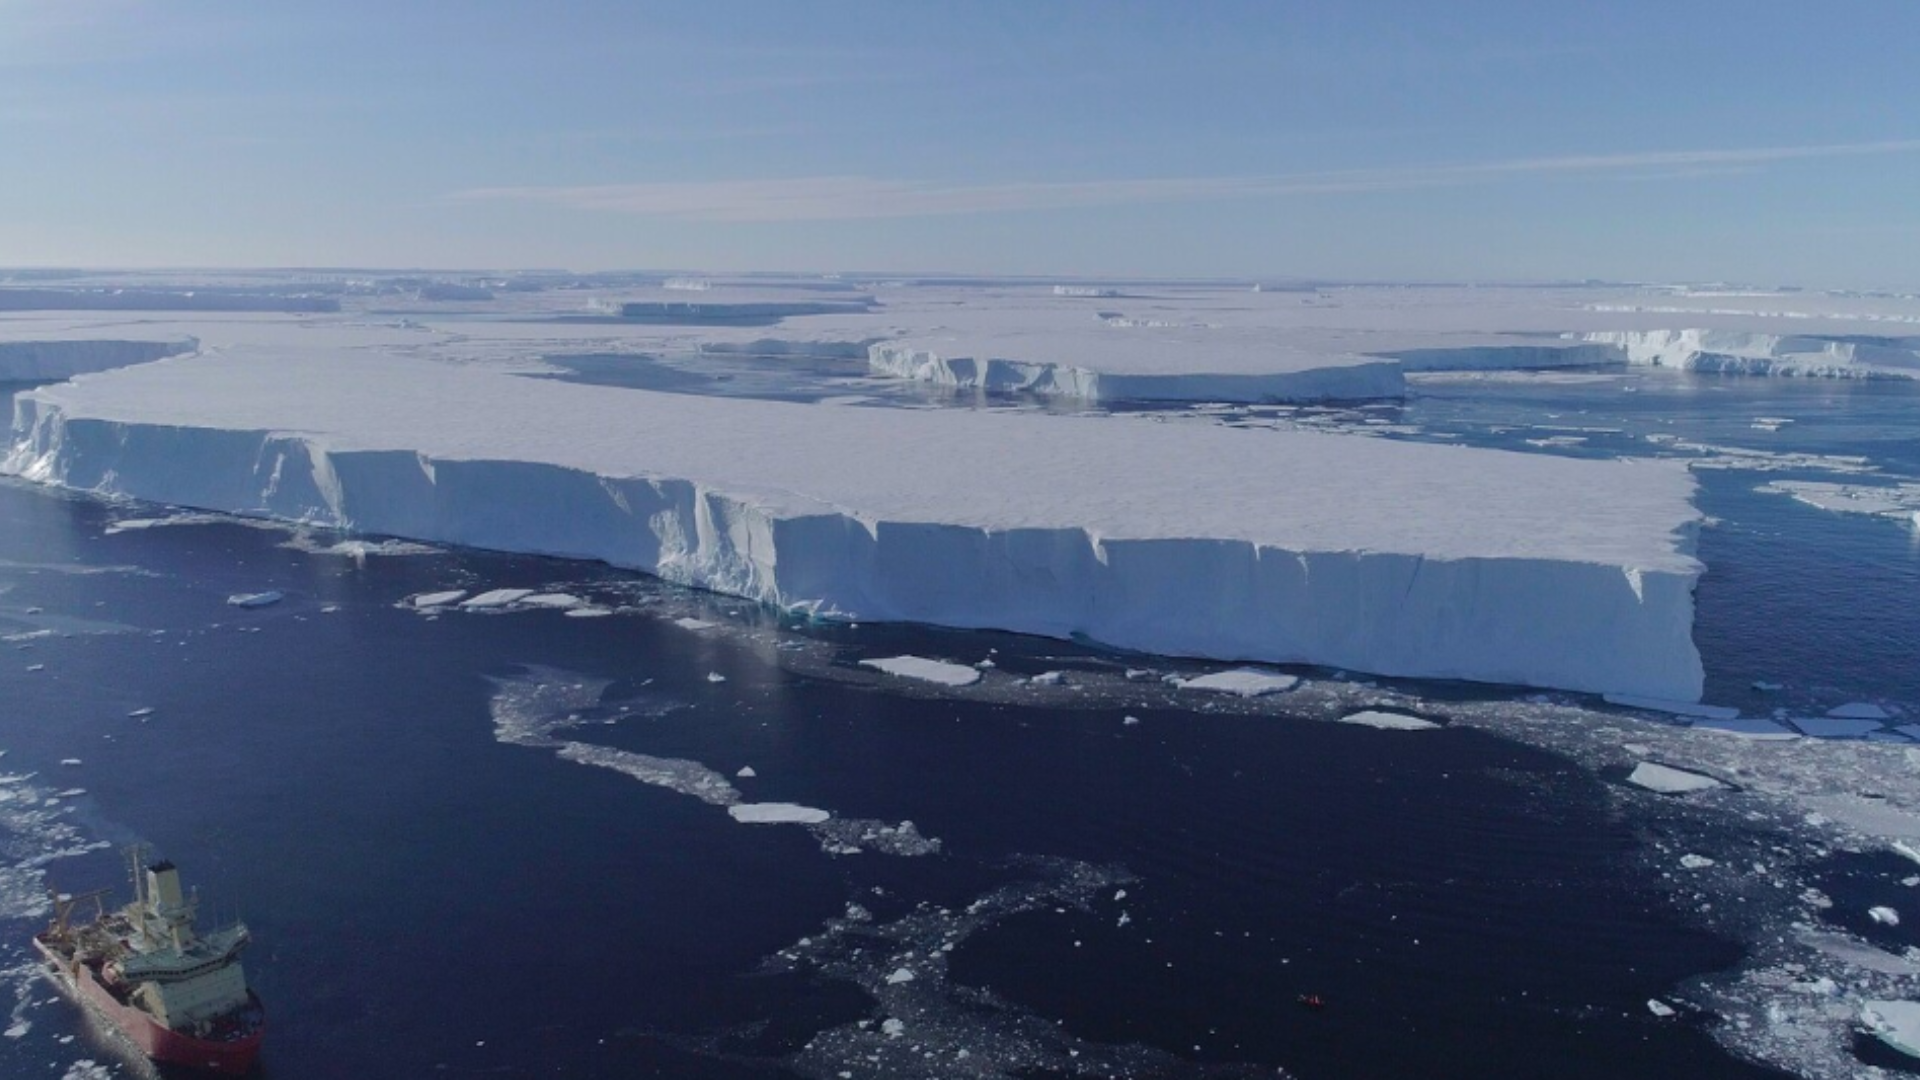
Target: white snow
(776,814)
(1242,682)
(1366,554)
(1896,1023)
(1388,721)
(933,671)
(1668,780)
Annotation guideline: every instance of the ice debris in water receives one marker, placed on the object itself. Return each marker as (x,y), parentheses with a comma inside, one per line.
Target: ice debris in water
(1659,1008)
(1883,915)
(693,624)
(437,599)
(1672,708)
(1243,682)
(1668,780)
(925,670)
(255,600)
(1752,728)
(1695,862)
(1858,710)
(496,598)
(715,677)
(1828,727)
(530,710)
(140,713)
(1388,721)
(746,771)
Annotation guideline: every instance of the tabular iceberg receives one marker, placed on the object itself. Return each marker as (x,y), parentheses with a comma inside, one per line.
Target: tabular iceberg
(1186,539)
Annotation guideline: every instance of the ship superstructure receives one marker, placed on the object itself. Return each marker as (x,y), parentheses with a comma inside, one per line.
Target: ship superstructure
(178,993)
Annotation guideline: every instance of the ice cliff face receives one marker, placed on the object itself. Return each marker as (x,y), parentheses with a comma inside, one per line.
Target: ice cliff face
(1743,353)
(1382,557)
(41,361)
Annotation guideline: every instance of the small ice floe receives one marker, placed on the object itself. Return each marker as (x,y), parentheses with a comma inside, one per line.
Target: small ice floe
(1668,780)
(1242,682)
(1829,727)
(1770,423)
(1672,708)
(900,975)
(694,624)
(1766,687)
(1659,1008)
(1049,678)
(588,612)
(1884,915)
(715,677)
(1748,729)
(256,599)
(1130,720)
(776,813)
(1695,862)
(437,599)
(496,598)
(1896,1023)
(557,601)
(1859,710)
(746,771)
(141,713)
(70,793)
(925,670)
(1388,721)
(72,762)
(36,667)
(893,1026)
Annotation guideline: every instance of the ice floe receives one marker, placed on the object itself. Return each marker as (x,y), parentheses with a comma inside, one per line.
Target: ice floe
(1896,1023)
(1241,682)
(256,600)
(1668,780)
(1389,721)
(777,814)
(925,670)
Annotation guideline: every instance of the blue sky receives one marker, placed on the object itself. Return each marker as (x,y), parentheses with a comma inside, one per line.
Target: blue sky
(1768,142)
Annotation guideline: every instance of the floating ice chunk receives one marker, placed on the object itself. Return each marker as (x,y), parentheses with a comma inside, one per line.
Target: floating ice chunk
(1827,727)
(437,599)
(1858,710)
(1896,1023)
(1243,682)
(1766,687)
(933,671)
(694,624)
(1130,721)
(715,677)
(496,598)
(1668,780)
(255,600)
(893,1026)
(777,813)
(746,771)
(140,713)
(71,761)
(1659,1008)
(36,667)
(1695,862)
(587,612)
(1884,915)
(1389,721)
(900,975)
(1049,678)
(1674,708)
(557,601)
(1750,728)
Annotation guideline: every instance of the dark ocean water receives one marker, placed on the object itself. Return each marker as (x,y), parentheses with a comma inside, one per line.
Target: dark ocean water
(430,900)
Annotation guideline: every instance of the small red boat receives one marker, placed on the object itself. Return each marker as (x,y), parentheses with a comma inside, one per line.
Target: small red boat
(177,994)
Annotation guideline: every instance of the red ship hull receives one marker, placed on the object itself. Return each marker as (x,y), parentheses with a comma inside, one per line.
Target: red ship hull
(225,1057)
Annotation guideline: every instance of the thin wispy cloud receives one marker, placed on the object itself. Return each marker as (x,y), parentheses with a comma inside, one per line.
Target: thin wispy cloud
(843,198)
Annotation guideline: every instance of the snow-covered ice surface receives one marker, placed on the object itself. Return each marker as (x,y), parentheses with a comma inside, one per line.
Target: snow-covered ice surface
(1374,555)
(1241,682)
(919,667)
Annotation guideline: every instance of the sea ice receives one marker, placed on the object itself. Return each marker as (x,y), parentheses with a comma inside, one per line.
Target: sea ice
(1659,1008)
(496,598)
(1752,728)
(1885,916)
(919,667)
(1388,721)
(437,599)
(1242,682)
(255,600)
(555,601)
(1668,780)
(694,624)
(1859,710)
(1695,862)
(1896,1023)
(1828,727)
(1674,708)
(776,814)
